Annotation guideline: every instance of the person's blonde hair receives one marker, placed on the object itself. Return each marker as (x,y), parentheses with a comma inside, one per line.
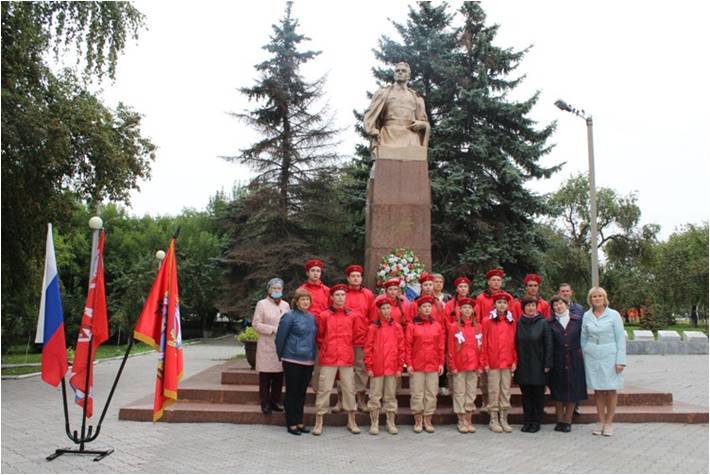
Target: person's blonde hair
(297,295)
(595,290)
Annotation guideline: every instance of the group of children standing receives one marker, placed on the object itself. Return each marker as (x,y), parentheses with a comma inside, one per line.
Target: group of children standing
(361,338)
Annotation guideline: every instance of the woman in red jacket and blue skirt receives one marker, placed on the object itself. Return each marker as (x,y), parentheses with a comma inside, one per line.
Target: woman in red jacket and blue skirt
(384,359)
(464,348)
(425,340)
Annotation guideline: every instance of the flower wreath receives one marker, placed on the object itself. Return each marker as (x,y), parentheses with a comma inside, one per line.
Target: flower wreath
(400,264)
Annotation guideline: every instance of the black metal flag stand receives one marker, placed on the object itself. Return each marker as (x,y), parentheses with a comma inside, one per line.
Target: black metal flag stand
(88,435)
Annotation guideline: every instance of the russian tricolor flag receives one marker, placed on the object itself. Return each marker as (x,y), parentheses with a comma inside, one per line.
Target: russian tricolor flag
(50,325)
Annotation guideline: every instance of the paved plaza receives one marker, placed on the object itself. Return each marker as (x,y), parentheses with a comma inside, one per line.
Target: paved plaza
(32,427)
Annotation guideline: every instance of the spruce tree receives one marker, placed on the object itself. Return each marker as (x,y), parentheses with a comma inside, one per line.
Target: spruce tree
(484,147)
(278,221)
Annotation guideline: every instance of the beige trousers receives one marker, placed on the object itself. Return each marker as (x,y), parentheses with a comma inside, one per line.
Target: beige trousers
(326,379)
(423,389)
(499,389)
(383,392)
(465,385)
(360,370)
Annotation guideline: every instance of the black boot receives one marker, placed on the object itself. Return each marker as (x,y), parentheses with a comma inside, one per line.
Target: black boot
(276,407)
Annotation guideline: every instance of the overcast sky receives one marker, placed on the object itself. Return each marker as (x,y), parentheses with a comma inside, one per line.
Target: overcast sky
(640,68)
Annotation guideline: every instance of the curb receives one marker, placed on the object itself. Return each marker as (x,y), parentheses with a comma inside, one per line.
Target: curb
(196,341)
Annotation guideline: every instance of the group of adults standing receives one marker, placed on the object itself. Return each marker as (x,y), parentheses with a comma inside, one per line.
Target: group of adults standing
(448,343)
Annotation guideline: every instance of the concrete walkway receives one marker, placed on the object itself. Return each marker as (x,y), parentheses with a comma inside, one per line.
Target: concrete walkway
(32,427)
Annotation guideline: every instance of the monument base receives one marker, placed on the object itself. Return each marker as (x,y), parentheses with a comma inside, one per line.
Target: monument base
(398,212)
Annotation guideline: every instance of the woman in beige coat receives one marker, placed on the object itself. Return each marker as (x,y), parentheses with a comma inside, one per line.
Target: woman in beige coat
(267,314)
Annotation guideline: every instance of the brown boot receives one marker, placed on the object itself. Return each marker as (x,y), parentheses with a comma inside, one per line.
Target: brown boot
(418,418)
(504,421)
(375,421)
(352,424)
(318,426)
(428,426)
(391,427)
(468,417)
(494,424)
(461,425)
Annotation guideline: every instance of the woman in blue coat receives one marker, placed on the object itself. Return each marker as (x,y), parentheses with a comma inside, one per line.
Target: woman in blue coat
(296,348)
(568,383)
(604,348)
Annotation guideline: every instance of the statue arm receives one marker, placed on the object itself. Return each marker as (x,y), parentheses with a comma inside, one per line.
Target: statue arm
(371,119)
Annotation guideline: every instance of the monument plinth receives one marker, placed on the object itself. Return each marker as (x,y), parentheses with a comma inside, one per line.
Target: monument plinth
(398,209)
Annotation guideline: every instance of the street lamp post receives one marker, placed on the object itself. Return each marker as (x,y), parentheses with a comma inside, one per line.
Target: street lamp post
(562,105)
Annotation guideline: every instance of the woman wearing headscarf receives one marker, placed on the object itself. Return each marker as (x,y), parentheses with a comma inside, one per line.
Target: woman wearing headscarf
(567,380)
(267,315)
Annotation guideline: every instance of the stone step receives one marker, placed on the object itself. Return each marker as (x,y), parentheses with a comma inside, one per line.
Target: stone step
(251,414)
(249,394)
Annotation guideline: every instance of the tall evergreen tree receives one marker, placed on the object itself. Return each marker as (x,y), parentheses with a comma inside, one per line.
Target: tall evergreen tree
(278,219)
(483,148)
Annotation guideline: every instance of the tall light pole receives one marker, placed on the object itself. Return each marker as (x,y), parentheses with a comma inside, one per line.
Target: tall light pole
(592,185)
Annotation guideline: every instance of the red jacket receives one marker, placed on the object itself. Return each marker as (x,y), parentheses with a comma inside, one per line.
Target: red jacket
(336,333)
(425,340)
(542,307)
(399,312)
(320,297)
(485,305)
(384,348)
(464,356)
(438,312)
(360,301)
(499,343)
(452,310)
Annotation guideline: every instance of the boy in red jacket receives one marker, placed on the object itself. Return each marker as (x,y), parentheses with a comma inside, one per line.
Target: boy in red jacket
(532,284)
(359,300)
(335,337)
(453,306)
(425,340)
(464,348)
(384,359)
(499,360)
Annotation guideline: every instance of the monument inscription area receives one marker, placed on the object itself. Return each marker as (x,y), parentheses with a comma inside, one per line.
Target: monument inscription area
(398,210)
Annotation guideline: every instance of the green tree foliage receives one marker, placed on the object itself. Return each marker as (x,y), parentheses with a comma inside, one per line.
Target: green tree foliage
(60,143)
(289,211)
(483,147)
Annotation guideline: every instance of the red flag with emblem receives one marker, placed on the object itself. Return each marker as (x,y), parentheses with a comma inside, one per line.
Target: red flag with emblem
(94,328)
(159,327)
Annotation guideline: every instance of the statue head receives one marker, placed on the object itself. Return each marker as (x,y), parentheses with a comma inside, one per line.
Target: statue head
(402,72)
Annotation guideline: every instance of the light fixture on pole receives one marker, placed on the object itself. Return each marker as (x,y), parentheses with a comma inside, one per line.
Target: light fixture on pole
(562,105)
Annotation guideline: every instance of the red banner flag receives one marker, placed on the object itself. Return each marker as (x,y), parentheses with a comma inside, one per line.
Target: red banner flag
(94,328)
(159,327)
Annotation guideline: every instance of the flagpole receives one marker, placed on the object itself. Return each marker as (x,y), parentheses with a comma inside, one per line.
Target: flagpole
(95,223)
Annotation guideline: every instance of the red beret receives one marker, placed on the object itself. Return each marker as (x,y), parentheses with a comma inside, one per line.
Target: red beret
(425,277)
(337,287)
(382,299)
(353,268)
(425,299)
(391,283)
(501,296)
(462,280)
(314,263)
(531,277)
(467,301)
(494,272)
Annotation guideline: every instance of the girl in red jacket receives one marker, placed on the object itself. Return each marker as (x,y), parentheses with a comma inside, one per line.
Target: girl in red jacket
(499,360)
(464,348)
(453,306)
(384,359)
(424,349)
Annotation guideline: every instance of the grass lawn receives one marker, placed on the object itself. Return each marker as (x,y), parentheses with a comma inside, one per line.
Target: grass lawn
(16,355)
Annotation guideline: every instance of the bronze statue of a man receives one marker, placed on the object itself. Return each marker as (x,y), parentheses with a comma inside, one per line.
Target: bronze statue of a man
(396,119)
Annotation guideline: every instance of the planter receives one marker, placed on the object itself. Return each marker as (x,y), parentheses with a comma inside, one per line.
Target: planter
(250,350)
